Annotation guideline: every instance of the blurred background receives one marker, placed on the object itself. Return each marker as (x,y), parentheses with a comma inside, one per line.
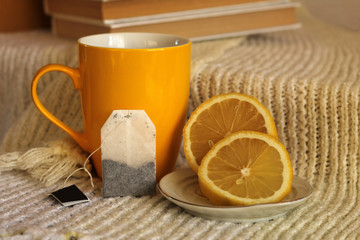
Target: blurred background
(21,15)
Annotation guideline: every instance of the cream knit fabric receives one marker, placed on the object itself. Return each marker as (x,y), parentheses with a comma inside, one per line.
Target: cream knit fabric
(309,79)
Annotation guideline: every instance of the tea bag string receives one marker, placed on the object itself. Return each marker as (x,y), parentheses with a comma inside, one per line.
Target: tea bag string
(84,168)
(92,153)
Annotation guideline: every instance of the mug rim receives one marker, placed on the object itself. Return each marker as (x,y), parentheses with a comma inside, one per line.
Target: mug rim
(178,41)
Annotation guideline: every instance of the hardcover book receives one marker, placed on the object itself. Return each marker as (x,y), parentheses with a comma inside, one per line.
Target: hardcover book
(198,25)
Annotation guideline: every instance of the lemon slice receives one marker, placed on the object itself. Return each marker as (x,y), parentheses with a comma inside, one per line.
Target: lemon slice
(246,168)
(219,117)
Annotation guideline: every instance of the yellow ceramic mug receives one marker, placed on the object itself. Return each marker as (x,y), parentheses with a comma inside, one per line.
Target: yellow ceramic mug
(144,71)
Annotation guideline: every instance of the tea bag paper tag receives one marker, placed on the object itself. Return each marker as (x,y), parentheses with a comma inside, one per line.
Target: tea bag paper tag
(128,153)
(70,196)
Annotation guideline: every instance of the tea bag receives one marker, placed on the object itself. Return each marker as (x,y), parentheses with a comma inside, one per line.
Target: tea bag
(128,154)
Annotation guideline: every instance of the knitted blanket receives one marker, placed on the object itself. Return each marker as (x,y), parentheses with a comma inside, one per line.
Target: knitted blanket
(309,79)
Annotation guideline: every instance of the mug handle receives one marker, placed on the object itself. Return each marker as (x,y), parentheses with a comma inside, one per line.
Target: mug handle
(74,74)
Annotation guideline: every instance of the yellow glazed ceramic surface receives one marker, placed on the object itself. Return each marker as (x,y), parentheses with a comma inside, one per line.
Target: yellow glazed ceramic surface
(142,71)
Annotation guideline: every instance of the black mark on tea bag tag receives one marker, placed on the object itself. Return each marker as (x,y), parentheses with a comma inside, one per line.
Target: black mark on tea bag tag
(70,196)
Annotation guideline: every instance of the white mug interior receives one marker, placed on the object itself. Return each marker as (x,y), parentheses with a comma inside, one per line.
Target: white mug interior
(131,40)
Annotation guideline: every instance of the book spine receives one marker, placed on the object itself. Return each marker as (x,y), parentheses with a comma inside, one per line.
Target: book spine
(196,28)
(178,16)
(105,10)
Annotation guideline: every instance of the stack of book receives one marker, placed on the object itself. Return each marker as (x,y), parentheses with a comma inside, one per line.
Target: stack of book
(194,19)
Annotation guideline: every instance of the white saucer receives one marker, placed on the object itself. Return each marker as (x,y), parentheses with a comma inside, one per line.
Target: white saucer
(182,188)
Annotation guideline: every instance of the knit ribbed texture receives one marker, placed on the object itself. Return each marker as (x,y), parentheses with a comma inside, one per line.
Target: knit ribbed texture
(22,54)
(309,79)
